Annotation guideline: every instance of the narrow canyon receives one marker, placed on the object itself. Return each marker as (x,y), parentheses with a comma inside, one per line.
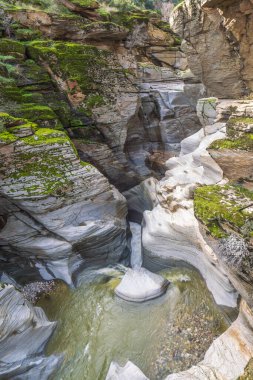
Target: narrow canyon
(126,189)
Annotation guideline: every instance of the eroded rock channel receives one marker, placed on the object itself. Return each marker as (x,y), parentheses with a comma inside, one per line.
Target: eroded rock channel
(126,203)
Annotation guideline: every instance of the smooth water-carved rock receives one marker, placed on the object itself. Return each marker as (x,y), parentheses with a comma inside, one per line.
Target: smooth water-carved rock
(140,198)
(129,371)
(175,236)
(25,331)
(171,231)
(139,285)
(56,209)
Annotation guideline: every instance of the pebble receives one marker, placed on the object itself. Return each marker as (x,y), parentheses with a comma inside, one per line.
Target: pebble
(35,290)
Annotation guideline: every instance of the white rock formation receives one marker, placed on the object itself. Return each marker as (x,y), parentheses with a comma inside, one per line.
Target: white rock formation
(129,371)
(170,230)
(141,285)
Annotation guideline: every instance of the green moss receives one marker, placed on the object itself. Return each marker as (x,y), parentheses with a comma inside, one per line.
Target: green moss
(45,171)
(34,112)
(242,143)
(219,207)
(84,69)
(41,172)
(104,13)
(43,115)
(163,25)
(92,101)
(11,47)
(210,100)
(7,137)
(131,17)
(239,131)
(12,123)
(25,34)
(47,136)
(28,125)
(5,81)
(85,3)
(110,26)
(240,120)
(74,62)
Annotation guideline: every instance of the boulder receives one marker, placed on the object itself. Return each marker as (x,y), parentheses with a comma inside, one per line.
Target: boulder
(139,285)
(129,371)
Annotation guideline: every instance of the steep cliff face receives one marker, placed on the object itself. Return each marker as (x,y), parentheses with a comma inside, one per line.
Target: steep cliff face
(218,42)
(113,85)
(125,96)
(237,20)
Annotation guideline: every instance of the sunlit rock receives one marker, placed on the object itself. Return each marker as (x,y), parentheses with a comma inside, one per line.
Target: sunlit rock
(141,285)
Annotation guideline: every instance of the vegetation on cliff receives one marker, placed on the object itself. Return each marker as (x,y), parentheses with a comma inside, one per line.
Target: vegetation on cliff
(240,135)
(224,209)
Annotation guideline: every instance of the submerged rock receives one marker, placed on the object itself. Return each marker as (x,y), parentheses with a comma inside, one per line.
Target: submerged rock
(141,285)
(228,355)
(129,371)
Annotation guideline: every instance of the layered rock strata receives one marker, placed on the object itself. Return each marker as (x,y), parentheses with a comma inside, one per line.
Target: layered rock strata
(57,211)
(25,331)
(211,43)
(137,113)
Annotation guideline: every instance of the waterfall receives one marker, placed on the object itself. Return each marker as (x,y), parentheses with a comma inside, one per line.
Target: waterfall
(139,284)
(136,255)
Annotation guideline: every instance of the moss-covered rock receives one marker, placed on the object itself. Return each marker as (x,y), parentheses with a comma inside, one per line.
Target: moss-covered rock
(88,73)
(93,4)
(240,135)
(223,209)
(11,48)
(38,165)
(241,143)
(43,115)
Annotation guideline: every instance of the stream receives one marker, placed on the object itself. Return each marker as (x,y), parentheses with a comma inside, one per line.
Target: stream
(161,336)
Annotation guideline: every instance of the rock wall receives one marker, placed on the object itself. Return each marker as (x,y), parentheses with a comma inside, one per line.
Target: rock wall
(216,44)
(237,20)
(57,211)
(25,331)
(123,112)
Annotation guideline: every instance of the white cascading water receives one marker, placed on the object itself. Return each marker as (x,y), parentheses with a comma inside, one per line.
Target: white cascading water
(136,255)
(139,284)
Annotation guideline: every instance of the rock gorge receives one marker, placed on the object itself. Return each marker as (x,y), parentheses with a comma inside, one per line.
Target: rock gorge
(111,115)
